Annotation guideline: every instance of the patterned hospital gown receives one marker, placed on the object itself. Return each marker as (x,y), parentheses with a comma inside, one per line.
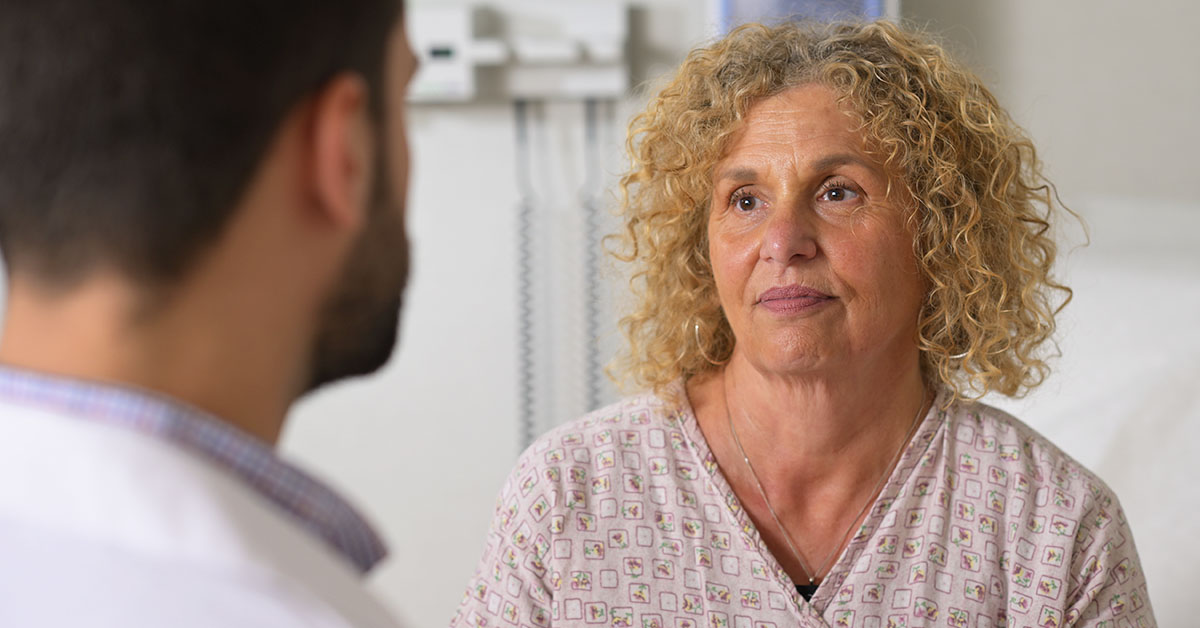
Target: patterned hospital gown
(623,518)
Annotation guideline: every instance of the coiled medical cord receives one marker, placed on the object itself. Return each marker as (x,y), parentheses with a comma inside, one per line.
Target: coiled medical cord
(591,255)
(525,211)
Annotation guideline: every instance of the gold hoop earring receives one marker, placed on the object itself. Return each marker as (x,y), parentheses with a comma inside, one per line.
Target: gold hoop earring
(700,347)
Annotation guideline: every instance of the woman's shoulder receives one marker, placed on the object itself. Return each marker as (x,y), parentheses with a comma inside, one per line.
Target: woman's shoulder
(996,445)
(603,439)
(1063,519)
(628,423)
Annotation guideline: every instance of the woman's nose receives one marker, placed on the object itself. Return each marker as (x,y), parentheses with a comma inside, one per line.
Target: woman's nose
(789,234)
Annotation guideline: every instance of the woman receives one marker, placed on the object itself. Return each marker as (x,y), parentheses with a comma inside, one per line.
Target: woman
(840,239)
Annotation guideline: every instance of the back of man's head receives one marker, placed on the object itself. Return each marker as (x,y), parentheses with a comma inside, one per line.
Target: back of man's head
(130,128)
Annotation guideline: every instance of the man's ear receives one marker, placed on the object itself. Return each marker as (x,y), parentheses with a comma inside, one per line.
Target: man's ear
(341,164)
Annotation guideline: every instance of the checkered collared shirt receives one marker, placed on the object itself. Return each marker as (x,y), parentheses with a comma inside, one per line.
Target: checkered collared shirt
(313,505)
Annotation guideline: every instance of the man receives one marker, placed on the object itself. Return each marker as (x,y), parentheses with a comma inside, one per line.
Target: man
(201,215)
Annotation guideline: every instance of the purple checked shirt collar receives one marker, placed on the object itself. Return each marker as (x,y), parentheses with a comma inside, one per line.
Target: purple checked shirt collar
(311,503)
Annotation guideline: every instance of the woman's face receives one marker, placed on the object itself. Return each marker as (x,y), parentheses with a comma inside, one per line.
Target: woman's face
(814,265)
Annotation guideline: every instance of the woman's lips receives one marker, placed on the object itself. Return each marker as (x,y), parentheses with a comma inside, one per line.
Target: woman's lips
(792,299)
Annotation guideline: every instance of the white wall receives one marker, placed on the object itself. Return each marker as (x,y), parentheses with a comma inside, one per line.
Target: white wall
(1108,90)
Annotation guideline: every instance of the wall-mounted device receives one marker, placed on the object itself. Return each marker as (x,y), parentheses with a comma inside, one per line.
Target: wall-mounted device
(519,50)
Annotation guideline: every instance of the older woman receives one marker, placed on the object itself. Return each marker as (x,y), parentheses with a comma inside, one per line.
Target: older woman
(841,240)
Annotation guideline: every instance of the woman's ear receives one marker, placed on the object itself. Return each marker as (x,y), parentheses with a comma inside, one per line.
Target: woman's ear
(342,163)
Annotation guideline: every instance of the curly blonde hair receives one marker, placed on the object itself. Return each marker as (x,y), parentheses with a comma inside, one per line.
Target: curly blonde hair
(982,221)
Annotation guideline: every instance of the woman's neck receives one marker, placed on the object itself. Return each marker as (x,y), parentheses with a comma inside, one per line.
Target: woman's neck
(820,449)
(813,428)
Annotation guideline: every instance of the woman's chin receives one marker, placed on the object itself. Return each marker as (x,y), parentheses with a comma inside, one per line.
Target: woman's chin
(788,361)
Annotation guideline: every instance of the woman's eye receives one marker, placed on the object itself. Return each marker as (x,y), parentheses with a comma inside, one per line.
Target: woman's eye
(838,194)
(746,202)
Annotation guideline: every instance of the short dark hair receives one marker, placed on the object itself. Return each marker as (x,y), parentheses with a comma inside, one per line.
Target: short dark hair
(130,128)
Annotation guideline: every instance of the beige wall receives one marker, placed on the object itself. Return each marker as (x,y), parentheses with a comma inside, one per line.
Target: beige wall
(1109,89)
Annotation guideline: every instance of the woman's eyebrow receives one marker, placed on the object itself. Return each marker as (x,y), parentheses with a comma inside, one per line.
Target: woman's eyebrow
(736,174)
(830,162)
(826,163)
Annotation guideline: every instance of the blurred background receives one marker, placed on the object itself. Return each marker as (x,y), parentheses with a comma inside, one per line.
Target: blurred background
(517,123)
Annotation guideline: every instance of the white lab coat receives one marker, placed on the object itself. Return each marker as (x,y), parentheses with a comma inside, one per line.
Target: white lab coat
(103,526)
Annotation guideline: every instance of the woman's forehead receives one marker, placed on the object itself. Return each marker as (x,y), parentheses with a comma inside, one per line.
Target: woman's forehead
(806,124)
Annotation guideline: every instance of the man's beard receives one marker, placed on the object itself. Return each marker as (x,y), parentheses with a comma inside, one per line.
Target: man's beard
(358,327)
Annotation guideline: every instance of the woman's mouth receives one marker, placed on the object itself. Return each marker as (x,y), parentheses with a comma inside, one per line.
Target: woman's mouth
(792,299)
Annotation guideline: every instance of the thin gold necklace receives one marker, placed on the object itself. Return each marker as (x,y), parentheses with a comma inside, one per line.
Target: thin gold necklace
(809,573)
